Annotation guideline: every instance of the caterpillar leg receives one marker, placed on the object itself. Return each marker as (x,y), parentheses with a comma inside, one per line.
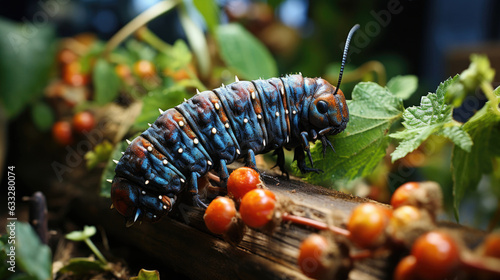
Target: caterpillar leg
(224,173)
(301,163)
(250,161)
(280,162)
(326,143)
(193,189)
(306,147)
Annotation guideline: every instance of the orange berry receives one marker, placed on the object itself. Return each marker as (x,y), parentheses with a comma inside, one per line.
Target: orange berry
(219,215)
(492,245)
(367,225)
(437,256)
(402,194)
(144,69)
(405,270)
(312,251)
(241,181)
(61,131)
(83,121)
(257,207)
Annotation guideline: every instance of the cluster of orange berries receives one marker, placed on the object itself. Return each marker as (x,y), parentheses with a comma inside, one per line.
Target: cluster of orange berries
(372,229)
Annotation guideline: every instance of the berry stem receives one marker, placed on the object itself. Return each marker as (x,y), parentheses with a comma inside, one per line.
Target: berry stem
(479,264)
(314,224)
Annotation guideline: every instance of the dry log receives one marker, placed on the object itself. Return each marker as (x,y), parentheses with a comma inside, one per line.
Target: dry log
(181,241)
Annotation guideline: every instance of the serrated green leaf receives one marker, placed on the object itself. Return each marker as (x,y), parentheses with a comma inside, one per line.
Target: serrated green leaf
(443,88)
(109,170)
(210,12)
(468,167)
(363,144)
(106,82)
(241,51)
(176,58)
(433,116)
(403,86)
(77,235)
(147,275)
(32,256)
(27,52)
(164,99)
(42,116)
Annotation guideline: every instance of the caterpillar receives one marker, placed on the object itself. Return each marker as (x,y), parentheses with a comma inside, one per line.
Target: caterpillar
(215,128)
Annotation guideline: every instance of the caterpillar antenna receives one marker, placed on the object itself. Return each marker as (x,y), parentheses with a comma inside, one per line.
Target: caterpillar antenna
(344,56)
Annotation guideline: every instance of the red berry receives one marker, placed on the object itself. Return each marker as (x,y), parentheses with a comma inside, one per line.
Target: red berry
(405,270)
(437,255)
(241,181)
(61,131)
(83,121)
(367,225)
(404,216)
(257,207)
(72,74)
(219,215)
(492,245)
(403,194)
(144,69)
(312,251)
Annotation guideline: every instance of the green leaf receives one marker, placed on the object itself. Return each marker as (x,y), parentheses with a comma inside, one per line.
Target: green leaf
(27,52)
(100,153)
(87,232)
(147,275)
(403,86)
(176,58)
(164,99)
(241,51)
(32,256)
(479,71)
(363,144)
(42,116)
(79,266)
(433,116)
(109,170)
(210,12)
(106,82)
(468,167)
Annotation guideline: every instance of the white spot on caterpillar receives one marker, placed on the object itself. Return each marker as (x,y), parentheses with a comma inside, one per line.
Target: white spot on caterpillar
(146,182)
(245,120)
(196,141)
(277,114)
(165,162)
(149,124)
(180,150)
(259,116)
(165,207)
(183,181)
(294,112)
(286,111)
(181,123)
(253,94)
(128,141)
(287,139)
(264,142)
(238,151)
(150,149)
(185,100)
(236,78)
(209,162)
(282,91)
(115,161)
(227,125)
(160,197)
(109,180)
(217,107)
(154,216)
(223,85)
(197,91)
(161,111)
(143,192)
(123,153)
(214,130)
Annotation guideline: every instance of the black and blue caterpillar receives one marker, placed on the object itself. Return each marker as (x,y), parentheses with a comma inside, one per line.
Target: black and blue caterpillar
(215,128)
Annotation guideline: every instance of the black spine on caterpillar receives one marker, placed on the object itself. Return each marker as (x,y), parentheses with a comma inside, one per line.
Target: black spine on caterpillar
(215,128)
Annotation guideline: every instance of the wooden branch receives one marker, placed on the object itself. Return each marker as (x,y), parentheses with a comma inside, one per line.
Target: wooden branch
(182,241)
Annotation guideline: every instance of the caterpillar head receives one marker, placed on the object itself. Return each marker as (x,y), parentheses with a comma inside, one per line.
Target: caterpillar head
(144,187)
(328,110)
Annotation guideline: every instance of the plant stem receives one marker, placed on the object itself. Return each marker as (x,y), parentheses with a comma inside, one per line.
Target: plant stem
(489,92)
(480,264)
(95,250)
(149,37)
(139,21)
(314,224)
